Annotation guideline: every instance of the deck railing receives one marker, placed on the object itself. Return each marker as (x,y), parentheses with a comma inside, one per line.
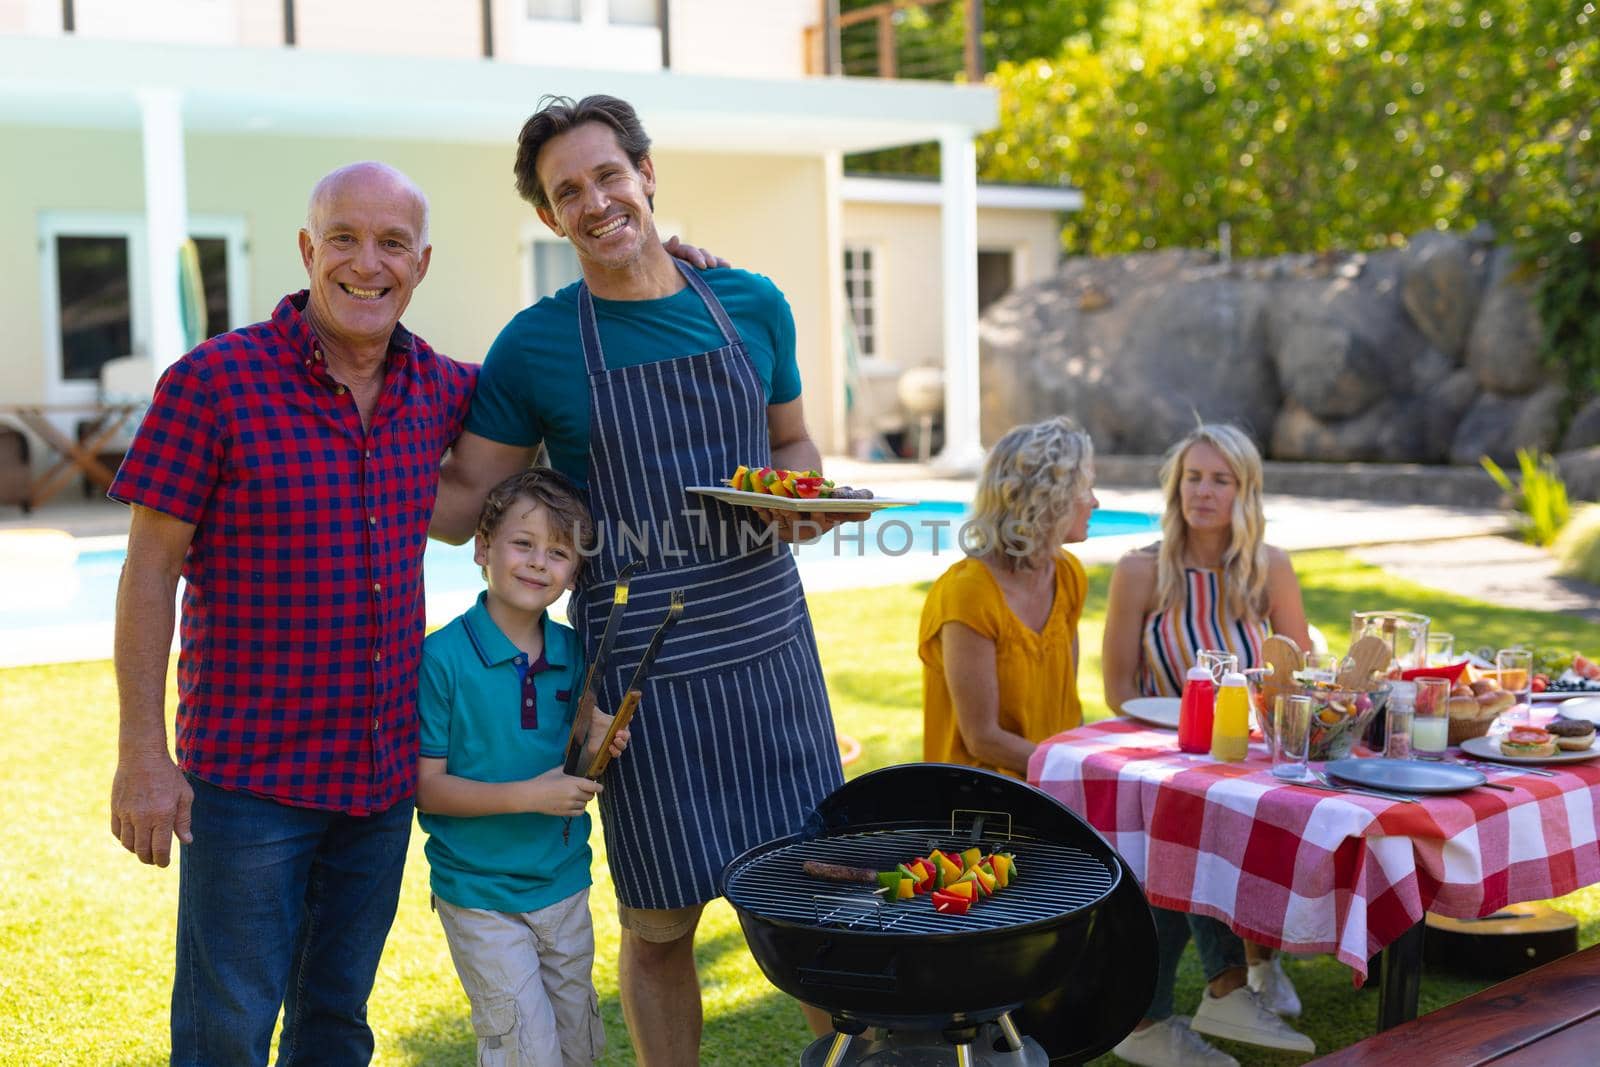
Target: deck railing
(927,39)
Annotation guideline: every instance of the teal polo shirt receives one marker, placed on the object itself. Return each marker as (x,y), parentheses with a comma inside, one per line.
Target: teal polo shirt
(471,705)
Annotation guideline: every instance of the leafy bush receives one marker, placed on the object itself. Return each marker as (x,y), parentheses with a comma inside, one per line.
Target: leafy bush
(1578,547)
(1540,499)
(1568,262)
(1308,125)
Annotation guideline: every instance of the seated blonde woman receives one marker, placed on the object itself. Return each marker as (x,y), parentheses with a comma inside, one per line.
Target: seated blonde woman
(999,633)
(1210,583)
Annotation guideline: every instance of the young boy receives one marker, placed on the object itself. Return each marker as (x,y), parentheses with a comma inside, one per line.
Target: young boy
(498,686)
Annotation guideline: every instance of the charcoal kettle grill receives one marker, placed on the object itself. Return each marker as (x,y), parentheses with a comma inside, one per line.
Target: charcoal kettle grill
(1056,968)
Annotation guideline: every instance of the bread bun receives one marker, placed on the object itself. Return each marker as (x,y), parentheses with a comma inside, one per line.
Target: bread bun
(1482,686)
(1463,707)
(1493,703)
(1575,744)
(1528,751)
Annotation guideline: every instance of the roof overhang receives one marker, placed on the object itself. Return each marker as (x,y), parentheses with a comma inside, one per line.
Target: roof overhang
(855,189)
(91,83)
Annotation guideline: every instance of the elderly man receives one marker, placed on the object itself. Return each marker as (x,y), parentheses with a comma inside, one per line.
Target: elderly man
(641,380)
(286,470)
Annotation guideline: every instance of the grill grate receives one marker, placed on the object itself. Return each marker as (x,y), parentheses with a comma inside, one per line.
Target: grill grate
(1054,880)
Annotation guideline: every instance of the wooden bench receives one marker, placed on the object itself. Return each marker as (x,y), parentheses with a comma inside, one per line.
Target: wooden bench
(1546,1017)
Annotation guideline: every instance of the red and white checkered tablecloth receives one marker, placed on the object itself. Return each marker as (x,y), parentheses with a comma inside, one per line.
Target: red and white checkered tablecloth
(1313,871)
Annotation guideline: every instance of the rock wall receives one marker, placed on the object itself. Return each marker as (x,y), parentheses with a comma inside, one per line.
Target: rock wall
(1427,354)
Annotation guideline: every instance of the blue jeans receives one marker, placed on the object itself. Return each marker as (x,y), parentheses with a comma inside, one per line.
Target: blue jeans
(281,907)
(1219,947)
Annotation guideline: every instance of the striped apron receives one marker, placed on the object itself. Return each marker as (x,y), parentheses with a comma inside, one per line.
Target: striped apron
(733,743)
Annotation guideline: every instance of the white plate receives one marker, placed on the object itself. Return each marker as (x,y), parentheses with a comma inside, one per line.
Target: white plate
(789,503)
(1483,748)
(1547,697)
(1582,708)
(1157,711)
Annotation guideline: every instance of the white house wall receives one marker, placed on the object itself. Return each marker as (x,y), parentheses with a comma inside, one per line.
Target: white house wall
(762,213)
(905,242)
(451,28)
(765,39)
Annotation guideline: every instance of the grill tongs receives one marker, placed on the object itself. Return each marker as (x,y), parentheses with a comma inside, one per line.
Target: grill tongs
(630,700)
(584,708)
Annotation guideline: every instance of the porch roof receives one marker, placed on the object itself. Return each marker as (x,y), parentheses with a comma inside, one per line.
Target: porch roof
(84,82)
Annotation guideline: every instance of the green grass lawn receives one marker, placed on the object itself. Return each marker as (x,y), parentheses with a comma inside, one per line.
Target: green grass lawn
(86,931)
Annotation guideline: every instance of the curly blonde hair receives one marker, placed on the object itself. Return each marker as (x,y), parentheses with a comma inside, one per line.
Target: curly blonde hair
(1030,481)
(1244,564)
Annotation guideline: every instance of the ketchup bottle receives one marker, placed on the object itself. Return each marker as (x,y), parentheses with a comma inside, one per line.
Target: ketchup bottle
(1194,716)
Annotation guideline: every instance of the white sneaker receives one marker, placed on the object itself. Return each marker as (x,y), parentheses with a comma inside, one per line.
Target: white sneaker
(1170,1043)
(1269,982)
(1240,1016)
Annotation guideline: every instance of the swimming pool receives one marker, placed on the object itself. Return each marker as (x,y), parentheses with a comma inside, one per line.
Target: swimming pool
(61,605)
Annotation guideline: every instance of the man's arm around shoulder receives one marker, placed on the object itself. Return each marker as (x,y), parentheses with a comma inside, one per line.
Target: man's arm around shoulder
(474,466)
(150,798)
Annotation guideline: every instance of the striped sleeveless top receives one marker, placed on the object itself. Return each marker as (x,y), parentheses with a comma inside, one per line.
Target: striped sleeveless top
(1171,639)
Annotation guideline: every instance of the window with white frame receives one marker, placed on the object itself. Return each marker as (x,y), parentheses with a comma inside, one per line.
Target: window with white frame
(614,12)
(552,266)
(555,10)
(861,294)
(96,295)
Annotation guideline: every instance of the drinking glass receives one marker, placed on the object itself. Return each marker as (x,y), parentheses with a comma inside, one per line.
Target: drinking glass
(1218,661)
(1430,719)
(1294,738)
(1321,666)
(1515,668)
(1405,632)
(1441,649)
(1399,743)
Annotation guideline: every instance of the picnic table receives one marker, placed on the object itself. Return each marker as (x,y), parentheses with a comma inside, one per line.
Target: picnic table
(102,423)
(1311,871)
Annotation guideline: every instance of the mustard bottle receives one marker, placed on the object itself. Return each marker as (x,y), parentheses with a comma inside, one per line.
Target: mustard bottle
(1230,730)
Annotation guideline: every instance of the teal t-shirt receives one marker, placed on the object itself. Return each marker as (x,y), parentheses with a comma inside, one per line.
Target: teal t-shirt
(533,386)
(471,710)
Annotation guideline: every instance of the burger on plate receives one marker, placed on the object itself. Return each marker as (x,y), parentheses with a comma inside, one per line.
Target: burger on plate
(1572,735)
(1528,742)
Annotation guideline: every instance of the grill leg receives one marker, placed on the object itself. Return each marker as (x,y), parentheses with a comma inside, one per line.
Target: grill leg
(1008,1030)
(836,1051)
(844,1031)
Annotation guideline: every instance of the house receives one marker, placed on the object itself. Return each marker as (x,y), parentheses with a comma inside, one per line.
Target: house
(128,125)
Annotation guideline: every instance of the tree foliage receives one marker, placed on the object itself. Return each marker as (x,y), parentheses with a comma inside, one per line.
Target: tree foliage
(1310,125)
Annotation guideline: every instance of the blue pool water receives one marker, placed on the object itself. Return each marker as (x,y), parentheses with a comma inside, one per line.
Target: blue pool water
(85,591)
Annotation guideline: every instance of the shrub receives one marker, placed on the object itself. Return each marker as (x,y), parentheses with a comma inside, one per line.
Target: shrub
(1540,499)
(1578,547)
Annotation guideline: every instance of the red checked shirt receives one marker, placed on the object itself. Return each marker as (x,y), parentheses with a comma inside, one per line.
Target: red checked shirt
(302,616)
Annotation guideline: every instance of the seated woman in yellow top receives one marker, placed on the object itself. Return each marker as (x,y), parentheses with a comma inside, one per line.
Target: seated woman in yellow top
(999,633)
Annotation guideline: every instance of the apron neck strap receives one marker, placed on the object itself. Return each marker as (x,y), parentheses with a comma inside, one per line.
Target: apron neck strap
(594,359)
(707,297)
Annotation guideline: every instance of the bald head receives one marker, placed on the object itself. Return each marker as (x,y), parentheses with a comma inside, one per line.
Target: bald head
(369,178)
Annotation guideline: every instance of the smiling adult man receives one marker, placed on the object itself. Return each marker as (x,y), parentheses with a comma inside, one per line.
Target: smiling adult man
(643,379)
(287,470)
